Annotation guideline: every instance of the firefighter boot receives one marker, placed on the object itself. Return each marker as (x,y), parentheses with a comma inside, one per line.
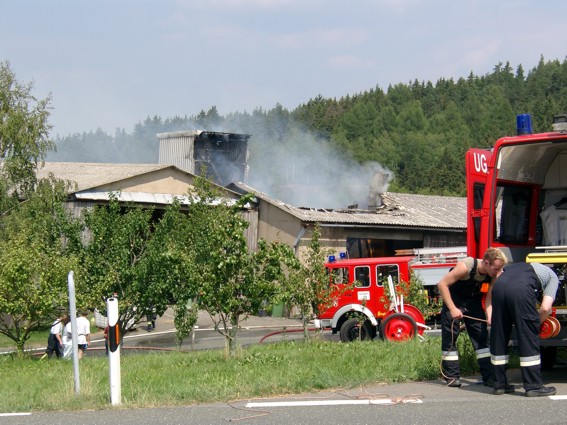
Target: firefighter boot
(508,389)
(541,392)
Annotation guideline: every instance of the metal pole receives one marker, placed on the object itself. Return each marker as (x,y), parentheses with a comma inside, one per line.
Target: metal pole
(73,314)
(114,350)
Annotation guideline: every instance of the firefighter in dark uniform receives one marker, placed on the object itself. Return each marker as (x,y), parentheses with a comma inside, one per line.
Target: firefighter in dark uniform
(514,298)
(462,291)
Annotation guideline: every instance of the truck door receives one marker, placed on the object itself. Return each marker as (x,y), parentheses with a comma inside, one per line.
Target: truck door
(364,292)
(361,288)
(477,167)
(382,273)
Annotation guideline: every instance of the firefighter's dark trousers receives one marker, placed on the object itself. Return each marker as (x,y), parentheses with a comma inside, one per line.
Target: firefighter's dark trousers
(478,333)
(514,302)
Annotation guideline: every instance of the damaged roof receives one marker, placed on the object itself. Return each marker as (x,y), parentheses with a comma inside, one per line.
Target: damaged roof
(397,209)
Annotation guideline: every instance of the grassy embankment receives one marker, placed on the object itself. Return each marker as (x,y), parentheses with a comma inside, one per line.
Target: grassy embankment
(185,378)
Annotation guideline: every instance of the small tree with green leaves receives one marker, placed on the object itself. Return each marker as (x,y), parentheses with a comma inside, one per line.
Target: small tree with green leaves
(35,237)
(24,136)
(185,319)
(130,252)
(184,292)
(307,286)
(232,282)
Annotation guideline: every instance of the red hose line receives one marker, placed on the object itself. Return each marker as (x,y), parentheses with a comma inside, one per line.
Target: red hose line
(283,332)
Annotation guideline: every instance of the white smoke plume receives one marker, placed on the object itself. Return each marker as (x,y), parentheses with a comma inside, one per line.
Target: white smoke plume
(305,171)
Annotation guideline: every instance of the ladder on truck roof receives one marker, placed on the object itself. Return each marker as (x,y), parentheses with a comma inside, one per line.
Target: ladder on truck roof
(439,255)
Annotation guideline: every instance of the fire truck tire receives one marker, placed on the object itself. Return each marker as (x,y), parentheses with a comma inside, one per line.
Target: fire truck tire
(398,327)
(351,330)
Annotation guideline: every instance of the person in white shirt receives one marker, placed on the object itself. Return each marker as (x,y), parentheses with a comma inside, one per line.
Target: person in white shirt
(67,339)
(83,333)
(54,343)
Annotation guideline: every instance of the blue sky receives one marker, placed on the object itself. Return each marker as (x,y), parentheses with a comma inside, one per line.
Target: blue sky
(112,63)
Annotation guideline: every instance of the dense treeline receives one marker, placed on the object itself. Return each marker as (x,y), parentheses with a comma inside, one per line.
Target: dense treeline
(420,131)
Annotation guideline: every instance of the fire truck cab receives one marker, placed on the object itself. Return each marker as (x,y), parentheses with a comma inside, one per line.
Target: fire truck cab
(364,308)
(517,201)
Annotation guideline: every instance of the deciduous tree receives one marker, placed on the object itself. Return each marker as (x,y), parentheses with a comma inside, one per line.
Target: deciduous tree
(36,234)
(232,281)
(307,286)
(24,133)
(128,252)
(36,258)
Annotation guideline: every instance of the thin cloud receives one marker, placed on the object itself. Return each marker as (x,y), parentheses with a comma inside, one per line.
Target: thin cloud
(351,62)
(322,38)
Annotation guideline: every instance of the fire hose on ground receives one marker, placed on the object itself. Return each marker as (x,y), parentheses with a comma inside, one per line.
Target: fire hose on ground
(284,331)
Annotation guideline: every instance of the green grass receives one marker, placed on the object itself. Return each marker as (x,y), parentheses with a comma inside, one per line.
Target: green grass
(185,378)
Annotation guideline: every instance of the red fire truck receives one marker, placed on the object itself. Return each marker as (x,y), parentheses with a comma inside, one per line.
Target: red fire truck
(365,308)
(517,201)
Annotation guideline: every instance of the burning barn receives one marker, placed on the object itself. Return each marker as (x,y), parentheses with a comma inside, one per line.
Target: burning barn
(221,157)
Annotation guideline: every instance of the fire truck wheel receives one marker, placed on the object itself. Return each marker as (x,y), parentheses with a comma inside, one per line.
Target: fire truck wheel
(398,327)
(351,330)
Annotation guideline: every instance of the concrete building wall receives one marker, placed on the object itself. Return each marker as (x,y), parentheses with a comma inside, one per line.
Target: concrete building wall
(274,224)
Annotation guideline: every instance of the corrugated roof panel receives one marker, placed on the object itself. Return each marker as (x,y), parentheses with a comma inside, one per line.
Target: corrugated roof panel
(145,198)
(398,209)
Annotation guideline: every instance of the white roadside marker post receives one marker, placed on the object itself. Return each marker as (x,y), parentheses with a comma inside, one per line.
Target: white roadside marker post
(114,351)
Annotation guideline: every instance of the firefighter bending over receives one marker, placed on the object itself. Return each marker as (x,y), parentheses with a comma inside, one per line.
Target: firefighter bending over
(513,301)
(462,291)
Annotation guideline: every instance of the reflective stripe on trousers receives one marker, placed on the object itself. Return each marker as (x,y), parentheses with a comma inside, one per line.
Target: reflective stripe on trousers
(499,360)
(530,361)
(450,356)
